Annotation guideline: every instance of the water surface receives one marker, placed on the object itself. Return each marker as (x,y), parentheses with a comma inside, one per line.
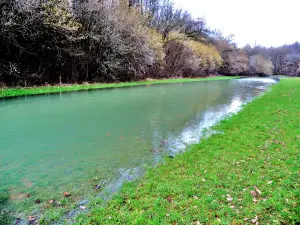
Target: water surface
(73,141)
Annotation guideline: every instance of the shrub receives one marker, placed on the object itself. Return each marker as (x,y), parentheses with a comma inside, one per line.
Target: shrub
(48,42)
(156,44)
(290,64)
(116,51)
(209,58)
(187,57)
(180,59)
(258,65)
(34,51)
(235,62)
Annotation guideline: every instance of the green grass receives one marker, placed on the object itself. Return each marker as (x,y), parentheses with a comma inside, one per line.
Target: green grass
(14,92)
(4,216)
(248,175)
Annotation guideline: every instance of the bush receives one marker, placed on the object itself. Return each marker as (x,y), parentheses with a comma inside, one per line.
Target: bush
(258,65)
(290,64)
(235,62)
(35,50)
(115,51)
(208,56)
(49,43)
(156,44)
(180,59)
(298,71)
(186,57)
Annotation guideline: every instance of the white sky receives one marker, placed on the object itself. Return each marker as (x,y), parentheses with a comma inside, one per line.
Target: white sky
(264,22)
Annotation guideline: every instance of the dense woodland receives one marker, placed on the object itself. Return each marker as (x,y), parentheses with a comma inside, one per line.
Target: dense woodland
(73,41)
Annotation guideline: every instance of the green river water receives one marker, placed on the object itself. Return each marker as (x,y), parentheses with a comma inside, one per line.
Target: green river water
(73,141)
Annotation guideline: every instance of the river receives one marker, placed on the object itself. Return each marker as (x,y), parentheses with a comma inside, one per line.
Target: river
(72,142)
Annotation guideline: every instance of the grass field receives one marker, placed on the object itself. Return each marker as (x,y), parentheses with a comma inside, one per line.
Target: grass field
(247,175)
(14,92)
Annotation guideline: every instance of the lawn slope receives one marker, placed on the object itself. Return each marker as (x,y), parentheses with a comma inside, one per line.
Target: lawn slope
(248,175)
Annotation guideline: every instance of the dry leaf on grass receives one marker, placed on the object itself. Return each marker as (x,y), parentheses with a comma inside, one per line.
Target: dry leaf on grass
(67,194)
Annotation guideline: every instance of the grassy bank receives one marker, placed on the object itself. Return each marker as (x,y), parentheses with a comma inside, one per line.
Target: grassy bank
(248,175)
(14,92)
(4,217)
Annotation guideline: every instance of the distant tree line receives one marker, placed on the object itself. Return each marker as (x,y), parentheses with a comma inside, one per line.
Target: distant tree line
(285,59)
(74,41)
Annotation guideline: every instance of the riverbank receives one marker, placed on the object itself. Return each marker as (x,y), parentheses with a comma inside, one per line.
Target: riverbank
(15,92)
(247,175)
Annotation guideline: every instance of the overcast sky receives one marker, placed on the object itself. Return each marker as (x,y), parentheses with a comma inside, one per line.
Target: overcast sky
(265,22)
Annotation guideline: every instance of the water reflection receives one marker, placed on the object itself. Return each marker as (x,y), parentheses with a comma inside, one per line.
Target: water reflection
(193,134)
(173,143)
(259,80)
